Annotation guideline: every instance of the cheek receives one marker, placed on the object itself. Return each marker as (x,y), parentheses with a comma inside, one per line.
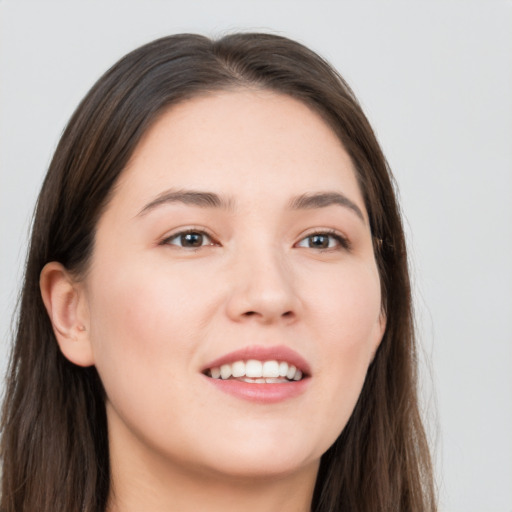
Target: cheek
(143,347)
(347,303)
(139,329)
(347,311)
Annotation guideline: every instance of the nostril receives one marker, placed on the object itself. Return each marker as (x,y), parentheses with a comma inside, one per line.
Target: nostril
(286,314)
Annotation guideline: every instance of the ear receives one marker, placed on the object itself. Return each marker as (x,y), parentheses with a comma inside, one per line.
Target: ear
(66,305)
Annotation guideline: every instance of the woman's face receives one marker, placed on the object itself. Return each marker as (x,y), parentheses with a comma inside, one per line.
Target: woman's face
(237,232)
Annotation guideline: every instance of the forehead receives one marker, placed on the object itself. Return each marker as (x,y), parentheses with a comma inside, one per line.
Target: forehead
(243,142)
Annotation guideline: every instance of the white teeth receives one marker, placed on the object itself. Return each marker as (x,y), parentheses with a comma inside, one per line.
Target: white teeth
(291,372)
(258,372)
(253,368)
(238,369)
(261,381)
(270,369)
(225,371)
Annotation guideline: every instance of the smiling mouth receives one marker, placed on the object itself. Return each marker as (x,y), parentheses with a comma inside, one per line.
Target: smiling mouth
(257,372)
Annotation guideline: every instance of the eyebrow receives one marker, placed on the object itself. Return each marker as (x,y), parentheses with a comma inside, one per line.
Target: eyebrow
(324,199)
(212,200)
(190,197)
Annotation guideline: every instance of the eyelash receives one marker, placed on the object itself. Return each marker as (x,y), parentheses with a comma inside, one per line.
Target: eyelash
(341,241)
(202,232)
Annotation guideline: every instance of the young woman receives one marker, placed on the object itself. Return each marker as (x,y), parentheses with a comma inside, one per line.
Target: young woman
(216,312)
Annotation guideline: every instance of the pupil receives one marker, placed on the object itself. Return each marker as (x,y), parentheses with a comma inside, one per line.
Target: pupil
(319,242)
(192,239)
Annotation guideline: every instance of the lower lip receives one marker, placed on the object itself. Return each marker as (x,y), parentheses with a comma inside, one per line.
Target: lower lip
(262,393)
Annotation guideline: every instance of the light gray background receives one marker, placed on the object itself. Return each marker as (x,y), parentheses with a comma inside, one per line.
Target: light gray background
(435,79)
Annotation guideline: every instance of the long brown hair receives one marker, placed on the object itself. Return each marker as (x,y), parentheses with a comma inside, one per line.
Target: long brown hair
(54,429)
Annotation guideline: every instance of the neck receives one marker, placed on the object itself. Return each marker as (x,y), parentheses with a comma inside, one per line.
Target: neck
(142,480)
(165,495)
(136,489)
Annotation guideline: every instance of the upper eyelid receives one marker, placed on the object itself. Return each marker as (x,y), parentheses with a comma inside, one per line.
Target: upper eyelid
(184,231)
(341,238)
(325,231)
(344,240)
(322,231)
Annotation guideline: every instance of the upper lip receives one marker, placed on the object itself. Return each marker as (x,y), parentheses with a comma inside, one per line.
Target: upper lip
(261,353)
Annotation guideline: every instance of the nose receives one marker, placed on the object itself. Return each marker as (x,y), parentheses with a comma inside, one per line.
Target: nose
(262,289)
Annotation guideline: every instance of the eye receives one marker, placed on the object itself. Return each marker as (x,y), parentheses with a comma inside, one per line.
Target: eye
(323,241)
(189,239)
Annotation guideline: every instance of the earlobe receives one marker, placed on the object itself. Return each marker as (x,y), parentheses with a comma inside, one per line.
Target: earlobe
(65,303)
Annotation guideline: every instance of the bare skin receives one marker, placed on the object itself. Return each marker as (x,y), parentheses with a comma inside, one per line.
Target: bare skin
(143,483)
(238,224)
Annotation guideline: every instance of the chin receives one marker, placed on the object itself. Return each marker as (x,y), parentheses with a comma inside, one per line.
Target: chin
(256,459)
(263,468)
